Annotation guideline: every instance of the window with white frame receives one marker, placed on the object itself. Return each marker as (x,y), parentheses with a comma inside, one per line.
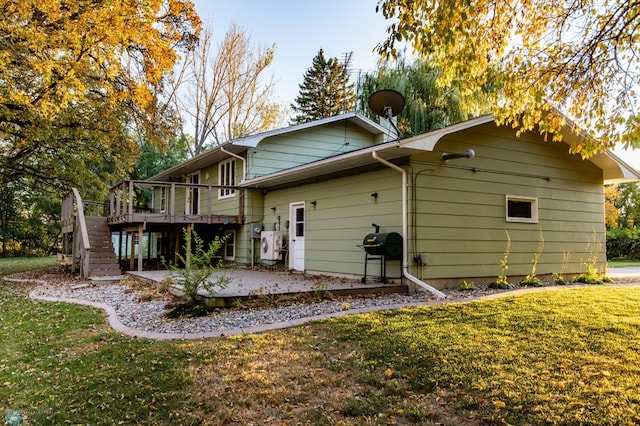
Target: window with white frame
(522,209)
(230,245)
(227,176)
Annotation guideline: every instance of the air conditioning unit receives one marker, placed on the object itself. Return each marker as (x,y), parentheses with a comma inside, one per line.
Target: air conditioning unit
(271,245)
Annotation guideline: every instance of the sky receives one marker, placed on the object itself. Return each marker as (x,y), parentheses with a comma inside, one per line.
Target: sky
(299,28)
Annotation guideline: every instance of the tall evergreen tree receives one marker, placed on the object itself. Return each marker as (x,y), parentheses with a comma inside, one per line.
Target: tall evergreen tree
(325,91)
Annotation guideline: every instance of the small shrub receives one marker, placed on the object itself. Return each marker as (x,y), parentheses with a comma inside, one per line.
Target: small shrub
(531,281)
(501,283)
(198,272)
(592,275)
(466,286)
(559,279)
(321,291)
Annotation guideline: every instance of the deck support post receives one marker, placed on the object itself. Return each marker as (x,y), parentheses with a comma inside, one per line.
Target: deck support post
(140,253)
(132,253)
(177,249)
(188,254)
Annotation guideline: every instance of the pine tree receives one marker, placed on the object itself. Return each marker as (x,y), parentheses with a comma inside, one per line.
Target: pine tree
(325,91)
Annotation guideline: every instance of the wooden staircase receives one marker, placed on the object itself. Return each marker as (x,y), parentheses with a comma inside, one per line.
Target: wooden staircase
(102,259)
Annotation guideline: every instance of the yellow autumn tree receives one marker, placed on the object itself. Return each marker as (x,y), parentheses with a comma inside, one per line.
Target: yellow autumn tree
(80,78)
(545,60)
(611,212)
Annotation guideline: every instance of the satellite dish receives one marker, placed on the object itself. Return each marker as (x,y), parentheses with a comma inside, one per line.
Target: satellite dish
(386,103)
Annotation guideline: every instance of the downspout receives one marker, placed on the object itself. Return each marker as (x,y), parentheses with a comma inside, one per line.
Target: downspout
(244,177)
(244,162)
(405,243)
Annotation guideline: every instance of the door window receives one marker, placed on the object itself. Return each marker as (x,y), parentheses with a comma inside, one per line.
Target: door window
(299,225)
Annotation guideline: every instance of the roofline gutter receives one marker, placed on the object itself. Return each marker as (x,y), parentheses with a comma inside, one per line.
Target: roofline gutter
(405,243)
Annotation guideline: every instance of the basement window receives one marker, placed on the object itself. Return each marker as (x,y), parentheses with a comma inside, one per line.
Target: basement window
(522,209)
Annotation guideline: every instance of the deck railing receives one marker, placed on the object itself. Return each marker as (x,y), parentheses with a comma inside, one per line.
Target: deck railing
(75,233)
(168,202)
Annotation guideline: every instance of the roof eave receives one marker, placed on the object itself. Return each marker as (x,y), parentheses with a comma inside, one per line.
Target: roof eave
(353,117)
(614,169)
(327,166)
(197,163)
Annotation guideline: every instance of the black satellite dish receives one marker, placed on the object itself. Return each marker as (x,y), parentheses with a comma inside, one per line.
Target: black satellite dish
(387,103)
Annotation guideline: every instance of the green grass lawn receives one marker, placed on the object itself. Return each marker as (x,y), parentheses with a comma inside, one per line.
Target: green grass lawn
(618,263)
(12,265)
(567,356)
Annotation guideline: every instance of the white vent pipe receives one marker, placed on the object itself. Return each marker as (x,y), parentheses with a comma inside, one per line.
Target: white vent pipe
(405,245)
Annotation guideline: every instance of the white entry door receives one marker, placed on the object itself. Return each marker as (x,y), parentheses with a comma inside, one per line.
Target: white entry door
(296,237)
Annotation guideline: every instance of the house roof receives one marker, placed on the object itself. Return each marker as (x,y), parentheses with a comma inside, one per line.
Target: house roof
(352,117)
(614,169)
(353,162)
(204,159)
(237,146)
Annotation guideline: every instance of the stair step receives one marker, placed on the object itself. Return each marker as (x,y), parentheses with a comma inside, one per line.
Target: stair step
(102,258)
(105,273)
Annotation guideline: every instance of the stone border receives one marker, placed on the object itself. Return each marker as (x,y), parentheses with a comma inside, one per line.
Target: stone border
(118,326)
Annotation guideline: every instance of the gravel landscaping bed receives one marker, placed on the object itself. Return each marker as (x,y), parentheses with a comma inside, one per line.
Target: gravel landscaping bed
(135,307)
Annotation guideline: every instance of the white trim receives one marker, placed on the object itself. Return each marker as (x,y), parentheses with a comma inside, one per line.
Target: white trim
(427,141)
(189,195)
(534,209)
(233,234)
(224,193)
(293,207)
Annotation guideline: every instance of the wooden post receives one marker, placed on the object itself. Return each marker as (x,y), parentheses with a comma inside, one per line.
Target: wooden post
(140,239)
(131,199)
(132,254)
(188,255)
(120,248)
(149,247)
(241,201)
(177,249)
(74,252)
(172,209)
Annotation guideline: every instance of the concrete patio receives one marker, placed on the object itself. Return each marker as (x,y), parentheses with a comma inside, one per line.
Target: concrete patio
(246,282)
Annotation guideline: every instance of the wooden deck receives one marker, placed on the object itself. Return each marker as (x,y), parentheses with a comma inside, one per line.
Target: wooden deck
(176,204)
(161,218)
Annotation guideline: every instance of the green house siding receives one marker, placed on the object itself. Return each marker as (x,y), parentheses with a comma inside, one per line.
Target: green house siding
(306,146)
(461,215)
(457,210)
(342,216)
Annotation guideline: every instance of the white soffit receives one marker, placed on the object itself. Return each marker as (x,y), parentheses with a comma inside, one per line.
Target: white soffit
(614,170)
(428,141)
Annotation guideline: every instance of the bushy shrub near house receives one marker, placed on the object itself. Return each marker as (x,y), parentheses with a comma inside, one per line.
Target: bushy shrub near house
(623,244)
